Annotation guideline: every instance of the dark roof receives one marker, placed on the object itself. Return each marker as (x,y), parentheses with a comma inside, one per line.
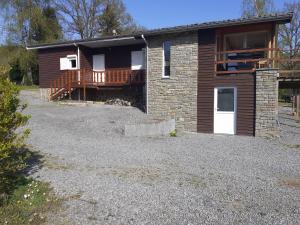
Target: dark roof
(279,18)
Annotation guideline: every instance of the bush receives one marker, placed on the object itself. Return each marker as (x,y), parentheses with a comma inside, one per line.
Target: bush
(12,157)
(173,133)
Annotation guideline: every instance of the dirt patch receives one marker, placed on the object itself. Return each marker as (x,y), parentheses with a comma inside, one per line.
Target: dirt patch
(151,175)
(53,163)
(291,182)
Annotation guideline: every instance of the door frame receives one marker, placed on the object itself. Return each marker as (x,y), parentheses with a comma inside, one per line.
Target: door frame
(216,105)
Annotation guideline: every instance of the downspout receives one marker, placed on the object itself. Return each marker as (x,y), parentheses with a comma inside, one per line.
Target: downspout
(78,55)
(78,67)
(147,70)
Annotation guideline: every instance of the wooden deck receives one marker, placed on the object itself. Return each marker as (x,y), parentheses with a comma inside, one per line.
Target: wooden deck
(83,78)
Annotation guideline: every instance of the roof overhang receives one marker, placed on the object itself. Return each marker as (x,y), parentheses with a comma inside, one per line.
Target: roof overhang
(93,43)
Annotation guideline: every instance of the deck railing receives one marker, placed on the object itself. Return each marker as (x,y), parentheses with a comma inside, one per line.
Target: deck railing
(83,78)
(248,60)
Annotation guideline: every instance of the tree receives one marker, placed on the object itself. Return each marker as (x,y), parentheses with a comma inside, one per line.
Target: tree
(12,158)
(116,20)
(252,8)
(289,34)
(28,22)
(79,17)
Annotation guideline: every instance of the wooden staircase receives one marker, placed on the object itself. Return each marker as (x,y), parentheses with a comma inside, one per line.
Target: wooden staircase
(65,84)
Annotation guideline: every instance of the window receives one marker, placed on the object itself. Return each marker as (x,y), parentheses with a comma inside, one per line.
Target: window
(68,63)
(241,41)
(166,58)
(225,100)
(246,40)
(137,60)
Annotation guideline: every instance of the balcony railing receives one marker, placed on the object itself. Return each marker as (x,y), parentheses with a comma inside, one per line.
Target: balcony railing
(84,78)
(248,60)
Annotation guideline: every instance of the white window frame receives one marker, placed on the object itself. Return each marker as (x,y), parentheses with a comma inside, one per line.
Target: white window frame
(163,61)
(69,66)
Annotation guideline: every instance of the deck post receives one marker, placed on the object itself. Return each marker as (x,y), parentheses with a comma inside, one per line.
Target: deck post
(69,78)
(84,85)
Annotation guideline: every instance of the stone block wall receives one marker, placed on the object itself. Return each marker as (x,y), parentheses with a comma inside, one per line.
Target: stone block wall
(266,102)
(174,97)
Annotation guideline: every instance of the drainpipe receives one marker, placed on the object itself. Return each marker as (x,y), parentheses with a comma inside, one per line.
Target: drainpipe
(78,67)
(147,63)
(78,55)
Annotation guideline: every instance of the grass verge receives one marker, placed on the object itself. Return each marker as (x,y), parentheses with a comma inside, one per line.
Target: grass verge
(29,203)
(28,87)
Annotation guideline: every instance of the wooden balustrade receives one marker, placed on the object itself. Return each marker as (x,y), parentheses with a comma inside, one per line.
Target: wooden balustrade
(83,78)
(234,62)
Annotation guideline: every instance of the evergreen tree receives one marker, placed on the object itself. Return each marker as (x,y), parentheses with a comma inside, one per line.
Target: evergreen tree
(116,20)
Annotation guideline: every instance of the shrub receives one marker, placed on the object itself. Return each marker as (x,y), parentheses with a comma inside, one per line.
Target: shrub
(173,133)
(12,157)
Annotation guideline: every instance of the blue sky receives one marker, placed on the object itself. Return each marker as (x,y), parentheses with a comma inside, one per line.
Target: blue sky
(164,13)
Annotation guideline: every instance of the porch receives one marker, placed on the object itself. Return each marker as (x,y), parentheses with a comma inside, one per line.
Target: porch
(86,78)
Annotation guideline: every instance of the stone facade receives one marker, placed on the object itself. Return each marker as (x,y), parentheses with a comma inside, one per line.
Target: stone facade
(266,102)
(174,97)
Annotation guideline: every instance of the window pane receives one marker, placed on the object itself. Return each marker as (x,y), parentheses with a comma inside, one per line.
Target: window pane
(226,100)
(167,57)
(73,63)
(167,71)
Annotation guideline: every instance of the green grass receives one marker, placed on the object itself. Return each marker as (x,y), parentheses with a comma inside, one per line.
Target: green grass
(285,104)
(30,203)
(29,87)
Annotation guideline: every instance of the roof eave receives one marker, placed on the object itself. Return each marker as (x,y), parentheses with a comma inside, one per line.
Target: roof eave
(281,20)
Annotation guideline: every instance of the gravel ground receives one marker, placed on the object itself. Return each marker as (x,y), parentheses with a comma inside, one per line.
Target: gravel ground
(106,178)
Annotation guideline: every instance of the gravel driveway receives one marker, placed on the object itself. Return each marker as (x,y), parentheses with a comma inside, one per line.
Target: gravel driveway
(107,178)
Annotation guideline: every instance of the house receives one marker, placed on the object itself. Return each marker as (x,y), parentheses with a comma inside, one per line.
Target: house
(215,77)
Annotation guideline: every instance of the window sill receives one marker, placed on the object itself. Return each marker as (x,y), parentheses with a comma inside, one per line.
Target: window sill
(165,77)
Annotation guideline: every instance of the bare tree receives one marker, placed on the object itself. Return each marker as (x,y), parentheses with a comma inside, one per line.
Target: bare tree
(79,17)
(289,34)
(252,8)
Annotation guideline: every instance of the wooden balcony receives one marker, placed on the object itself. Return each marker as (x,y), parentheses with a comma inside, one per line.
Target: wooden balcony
(248,60)
(84,78)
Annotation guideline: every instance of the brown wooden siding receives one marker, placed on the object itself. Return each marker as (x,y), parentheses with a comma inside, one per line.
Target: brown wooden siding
(207,81)
(49,59)
(49,63)
(115,57)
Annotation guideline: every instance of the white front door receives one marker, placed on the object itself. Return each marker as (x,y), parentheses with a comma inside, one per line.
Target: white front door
(98,68)
(225,110)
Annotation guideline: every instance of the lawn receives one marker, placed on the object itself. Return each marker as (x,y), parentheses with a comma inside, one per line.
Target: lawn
(29,203)
(28,87)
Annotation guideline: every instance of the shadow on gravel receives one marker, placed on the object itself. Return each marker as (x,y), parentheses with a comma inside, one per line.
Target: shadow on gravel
(14,170)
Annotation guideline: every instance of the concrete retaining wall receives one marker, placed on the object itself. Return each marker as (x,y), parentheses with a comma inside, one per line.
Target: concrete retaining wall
(152,129)
(45,93)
